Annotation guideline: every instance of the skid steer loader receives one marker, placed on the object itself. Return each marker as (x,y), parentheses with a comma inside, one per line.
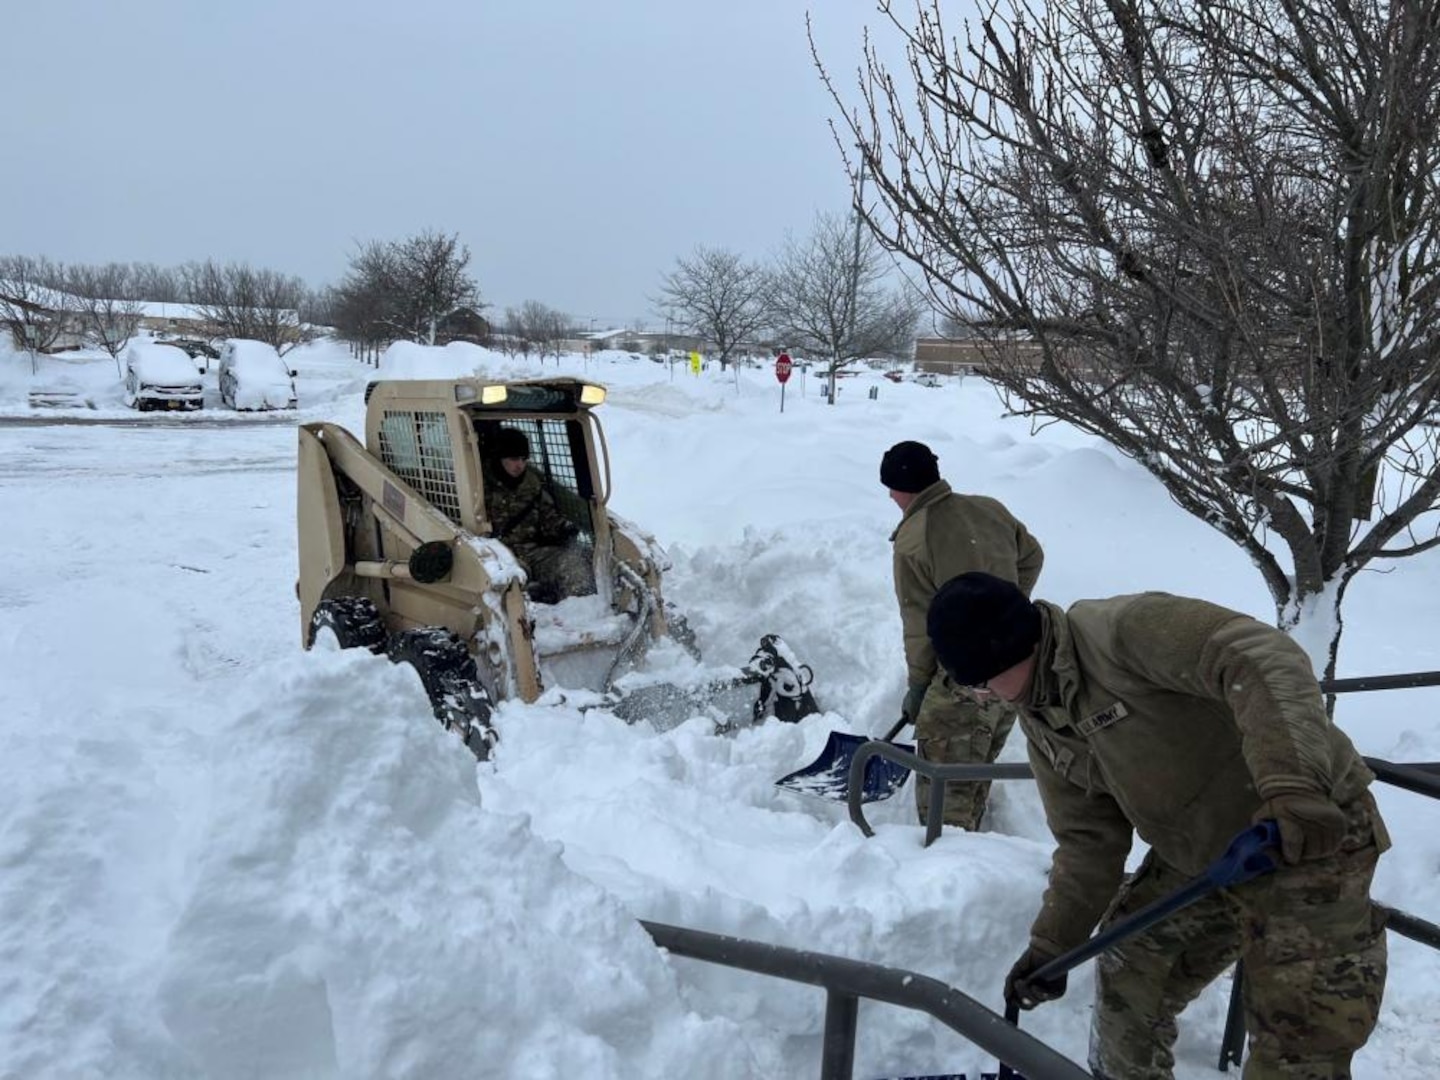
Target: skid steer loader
(399,555)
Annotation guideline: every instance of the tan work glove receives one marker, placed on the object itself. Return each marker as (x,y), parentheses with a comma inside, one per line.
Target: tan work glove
(1311,826)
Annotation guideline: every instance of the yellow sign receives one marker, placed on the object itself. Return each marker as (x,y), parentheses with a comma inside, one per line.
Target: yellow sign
(694,363)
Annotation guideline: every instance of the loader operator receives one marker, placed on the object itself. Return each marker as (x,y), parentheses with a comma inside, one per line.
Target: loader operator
(1184,722)
(524,517)
(942,534)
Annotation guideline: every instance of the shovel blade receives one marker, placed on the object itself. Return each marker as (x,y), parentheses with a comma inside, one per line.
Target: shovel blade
(828,776)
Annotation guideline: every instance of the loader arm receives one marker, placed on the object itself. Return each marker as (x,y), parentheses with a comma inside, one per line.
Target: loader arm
(394,521)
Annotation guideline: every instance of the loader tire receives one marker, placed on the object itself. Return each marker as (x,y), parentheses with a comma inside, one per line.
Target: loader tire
(354,620)
(447,670)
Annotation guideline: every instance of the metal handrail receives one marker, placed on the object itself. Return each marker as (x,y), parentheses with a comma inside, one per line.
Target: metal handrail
(846,981)
(938,774)
(1423,778)
(1360,683)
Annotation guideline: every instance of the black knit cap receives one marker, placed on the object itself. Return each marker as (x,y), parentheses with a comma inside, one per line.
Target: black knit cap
(511,442)
(981,625)
(909,466)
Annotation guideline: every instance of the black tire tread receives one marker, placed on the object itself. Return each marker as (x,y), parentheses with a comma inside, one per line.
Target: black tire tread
(447,670)
(354,620)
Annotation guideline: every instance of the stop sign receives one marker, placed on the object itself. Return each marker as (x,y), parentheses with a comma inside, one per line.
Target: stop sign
(782,367)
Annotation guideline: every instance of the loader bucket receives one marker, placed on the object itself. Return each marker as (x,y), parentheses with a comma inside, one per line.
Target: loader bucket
(828,776)
(780,682)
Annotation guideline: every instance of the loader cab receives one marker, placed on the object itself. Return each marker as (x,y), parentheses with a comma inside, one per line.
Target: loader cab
(558,453)
(371,515)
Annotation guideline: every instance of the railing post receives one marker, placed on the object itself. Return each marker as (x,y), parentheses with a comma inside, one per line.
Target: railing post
(841,1017)
(1232,1043)
(935,815)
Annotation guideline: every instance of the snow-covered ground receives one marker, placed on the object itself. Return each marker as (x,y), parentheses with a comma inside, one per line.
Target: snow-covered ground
(224,857)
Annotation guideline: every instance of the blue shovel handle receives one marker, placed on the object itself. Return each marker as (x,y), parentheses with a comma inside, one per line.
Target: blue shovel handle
(1249,855)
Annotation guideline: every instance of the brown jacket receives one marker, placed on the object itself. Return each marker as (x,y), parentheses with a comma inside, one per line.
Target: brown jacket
(941,535)
(1172,718)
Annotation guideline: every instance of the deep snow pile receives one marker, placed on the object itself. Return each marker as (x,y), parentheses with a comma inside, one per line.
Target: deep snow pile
(228,858)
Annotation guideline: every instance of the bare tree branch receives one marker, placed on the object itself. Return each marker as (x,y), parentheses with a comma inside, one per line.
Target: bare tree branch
(402,290)
(830,298)
(1208,232)
(109,317)
(34,307)
(718,296)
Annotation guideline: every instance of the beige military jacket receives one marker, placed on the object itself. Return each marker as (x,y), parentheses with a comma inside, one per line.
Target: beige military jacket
(942,535)
(1171,718)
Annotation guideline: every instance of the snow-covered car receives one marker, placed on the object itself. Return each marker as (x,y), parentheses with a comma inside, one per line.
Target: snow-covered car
(199,352)
(159,377)
(252,376)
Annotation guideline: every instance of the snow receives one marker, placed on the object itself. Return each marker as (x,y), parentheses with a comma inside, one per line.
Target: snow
(258,378)
(160,365)
(225,857)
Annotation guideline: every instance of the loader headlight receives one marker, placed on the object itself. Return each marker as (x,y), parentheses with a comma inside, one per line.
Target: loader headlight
(493,395)
(590,394)
(464,392)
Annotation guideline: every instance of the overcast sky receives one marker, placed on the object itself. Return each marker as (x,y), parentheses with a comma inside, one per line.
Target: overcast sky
(577,146)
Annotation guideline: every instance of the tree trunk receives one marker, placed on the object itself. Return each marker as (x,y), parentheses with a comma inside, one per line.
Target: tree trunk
(1314,620)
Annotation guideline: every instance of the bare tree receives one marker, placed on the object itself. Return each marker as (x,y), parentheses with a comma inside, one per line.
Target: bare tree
(100,297)
(432,268)
(516,333)
(159,284)
(1206,232)
(546,326)
(318,307)
(402,290)
(241,302)
(534,326)
(718,296)
(830,299)
(33,305)
(366,308)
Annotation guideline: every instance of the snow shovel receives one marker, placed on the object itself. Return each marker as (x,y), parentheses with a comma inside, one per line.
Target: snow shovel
(828,776)
(1249,856)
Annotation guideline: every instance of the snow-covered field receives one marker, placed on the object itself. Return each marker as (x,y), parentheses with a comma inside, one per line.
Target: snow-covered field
(224,857)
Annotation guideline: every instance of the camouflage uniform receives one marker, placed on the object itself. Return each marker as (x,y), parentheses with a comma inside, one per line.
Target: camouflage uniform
(1176,719)
(940,535)
(523,515)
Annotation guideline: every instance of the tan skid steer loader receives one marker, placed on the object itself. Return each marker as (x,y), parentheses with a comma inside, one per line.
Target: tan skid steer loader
(399,554)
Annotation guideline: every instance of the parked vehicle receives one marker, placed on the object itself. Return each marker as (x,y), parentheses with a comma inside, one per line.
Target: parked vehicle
(159,377)
(252,376)
(201,352)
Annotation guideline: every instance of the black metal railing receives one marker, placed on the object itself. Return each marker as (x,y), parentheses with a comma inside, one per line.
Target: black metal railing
(846,981)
